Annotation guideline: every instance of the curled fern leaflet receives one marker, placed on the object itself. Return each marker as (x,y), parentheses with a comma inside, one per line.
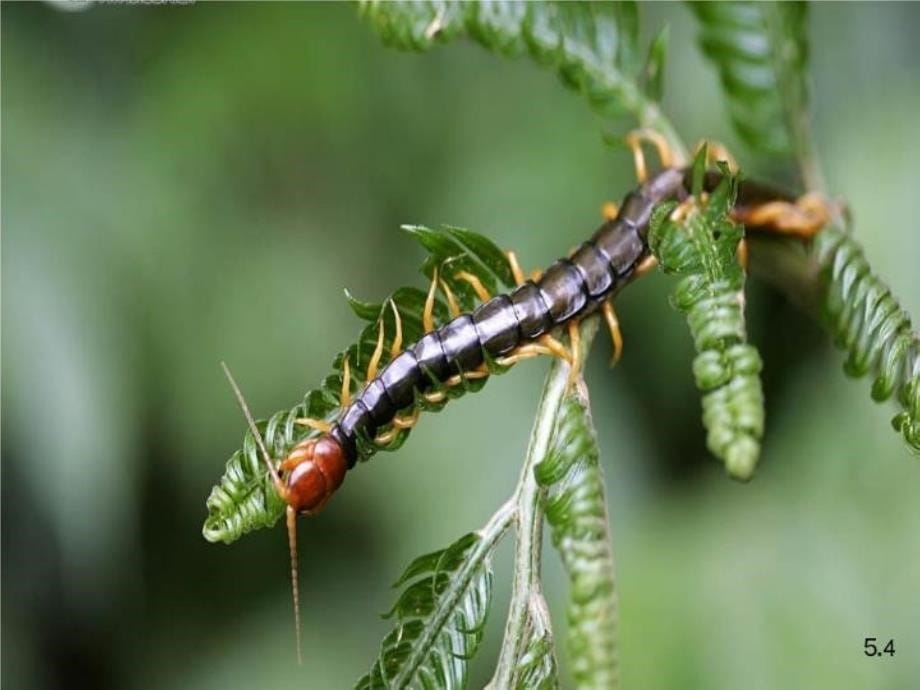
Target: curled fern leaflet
(870,324)
(698,242)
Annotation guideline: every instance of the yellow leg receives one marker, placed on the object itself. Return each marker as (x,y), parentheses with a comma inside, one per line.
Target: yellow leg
(317,424)
(634,141)
(803,219)
(555,347)
(616,337)
(743,254)
(518,273)
(609,211)
(396,347)
(435,397)
(428,313)
(385,438)
(457,379)
(400,423)
(680,213)
(575,345)
(406,422)
(481,292)
(816,209)
(515,268)
(301,452)
(638,157)
(452,307)
(345,394)
(523,352)
(378,353)
(649,263)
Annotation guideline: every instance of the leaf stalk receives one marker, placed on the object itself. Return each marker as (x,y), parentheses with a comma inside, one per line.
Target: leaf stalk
(526,592)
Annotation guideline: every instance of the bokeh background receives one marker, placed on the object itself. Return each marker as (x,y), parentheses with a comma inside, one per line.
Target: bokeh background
(188,184)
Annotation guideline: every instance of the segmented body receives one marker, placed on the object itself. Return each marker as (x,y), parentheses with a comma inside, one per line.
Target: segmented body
(569,289)
(698,242)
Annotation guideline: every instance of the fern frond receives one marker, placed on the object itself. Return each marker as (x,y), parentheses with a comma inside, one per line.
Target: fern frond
(701,248)
(593,47)
(870,324)
(761,52)
(244,498)
(576,510)
(440,615)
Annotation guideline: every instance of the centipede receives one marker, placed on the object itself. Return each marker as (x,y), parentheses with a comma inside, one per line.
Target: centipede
(381,394)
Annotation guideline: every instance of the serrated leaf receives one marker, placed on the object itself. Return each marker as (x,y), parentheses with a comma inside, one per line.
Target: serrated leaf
(455,251)
(439,619)
(592,46)
(483,250)
(761,52)
(244,499)
(430,561)
(366,311)
(576,510)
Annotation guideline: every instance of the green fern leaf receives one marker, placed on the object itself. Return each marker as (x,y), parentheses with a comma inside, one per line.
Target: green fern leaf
(244,499)
(872,327)
(439,619)
(761,52)
(591,46)
(702,249)
(577,514)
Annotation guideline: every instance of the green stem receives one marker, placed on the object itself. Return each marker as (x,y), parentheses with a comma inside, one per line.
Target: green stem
(526,592)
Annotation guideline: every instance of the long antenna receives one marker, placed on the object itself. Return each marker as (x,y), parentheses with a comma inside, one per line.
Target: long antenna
(253,429)
(282,490)
(295,585)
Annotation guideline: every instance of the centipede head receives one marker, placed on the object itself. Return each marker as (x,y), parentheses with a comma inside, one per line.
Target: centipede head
(317,468)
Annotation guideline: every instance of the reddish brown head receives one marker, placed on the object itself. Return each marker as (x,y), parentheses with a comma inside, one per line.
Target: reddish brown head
(317,468)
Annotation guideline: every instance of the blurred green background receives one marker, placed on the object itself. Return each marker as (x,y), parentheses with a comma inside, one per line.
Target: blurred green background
(183,185)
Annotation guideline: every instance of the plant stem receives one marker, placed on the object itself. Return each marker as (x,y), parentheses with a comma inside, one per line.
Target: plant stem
(497,525)
(526,591)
